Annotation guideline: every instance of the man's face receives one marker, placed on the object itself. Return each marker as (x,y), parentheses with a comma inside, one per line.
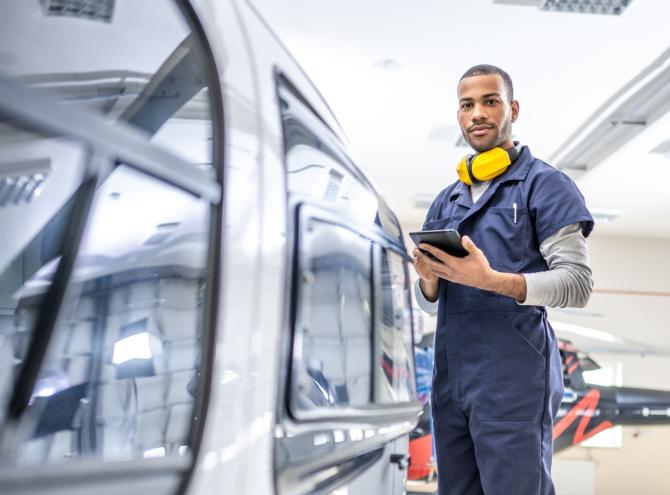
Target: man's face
(485,113)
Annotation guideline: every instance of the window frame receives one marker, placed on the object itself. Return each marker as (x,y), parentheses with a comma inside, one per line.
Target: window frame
(299,207)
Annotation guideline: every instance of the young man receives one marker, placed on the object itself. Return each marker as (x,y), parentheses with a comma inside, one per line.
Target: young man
(498,379)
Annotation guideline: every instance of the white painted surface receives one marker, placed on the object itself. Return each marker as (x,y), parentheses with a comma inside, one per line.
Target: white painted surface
(574,477)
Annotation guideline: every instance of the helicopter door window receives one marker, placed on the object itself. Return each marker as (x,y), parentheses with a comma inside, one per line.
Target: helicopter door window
(110,224)
(333,337)
(120,376)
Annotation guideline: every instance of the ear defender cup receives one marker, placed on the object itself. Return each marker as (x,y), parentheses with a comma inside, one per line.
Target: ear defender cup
(487,165)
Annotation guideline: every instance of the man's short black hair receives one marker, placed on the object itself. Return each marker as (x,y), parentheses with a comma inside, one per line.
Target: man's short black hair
(486,69)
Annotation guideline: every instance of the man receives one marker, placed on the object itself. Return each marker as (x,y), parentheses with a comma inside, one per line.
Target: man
(497,379)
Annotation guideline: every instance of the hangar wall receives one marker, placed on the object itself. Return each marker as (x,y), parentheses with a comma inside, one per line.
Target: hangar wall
(638,266)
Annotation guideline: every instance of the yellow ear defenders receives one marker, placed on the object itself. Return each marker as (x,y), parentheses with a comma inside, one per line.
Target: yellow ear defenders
(487,165)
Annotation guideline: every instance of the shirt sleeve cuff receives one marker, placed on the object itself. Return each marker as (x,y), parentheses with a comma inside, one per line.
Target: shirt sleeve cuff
(538,285)
(426,305)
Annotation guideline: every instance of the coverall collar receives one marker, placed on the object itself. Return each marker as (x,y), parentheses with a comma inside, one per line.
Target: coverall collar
(461,192)
(516,172)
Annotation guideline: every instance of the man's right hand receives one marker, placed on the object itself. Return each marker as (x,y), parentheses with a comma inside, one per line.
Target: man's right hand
(429,282)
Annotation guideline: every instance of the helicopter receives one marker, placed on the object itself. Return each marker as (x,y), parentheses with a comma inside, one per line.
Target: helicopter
(585,411)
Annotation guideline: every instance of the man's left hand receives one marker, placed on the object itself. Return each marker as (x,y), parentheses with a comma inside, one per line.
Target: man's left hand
(473,270)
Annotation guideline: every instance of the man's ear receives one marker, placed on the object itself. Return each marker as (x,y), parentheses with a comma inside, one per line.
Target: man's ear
(515,110)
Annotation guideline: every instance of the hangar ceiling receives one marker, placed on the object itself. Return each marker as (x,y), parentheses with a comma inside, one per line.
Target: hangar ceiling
(389,70)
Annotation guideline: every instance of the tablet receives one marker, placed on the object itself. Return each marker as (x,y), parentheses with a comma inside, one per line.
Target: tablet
(448,240)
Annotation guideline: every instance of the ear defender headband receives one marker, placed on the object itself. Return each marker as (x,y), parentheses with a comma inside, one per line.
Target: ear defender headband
(487,165)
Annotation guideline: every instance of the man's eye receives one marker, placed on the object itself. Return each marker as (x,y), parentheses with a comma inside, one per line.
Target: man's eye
(491,101)
(466,105)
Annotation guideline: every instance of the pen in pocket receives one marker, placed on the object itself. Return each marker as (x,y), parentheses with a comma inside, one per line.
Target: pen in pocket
(514,206)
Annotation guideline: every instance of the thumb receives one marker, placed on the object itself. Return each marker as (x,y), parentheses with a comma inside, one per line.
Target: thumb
(468,244)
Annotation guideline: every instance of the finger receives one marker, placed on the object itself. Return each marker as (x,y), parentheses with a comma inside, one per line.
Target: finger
(443,273)
(438,253)
(440,265)
(469,244)
(437,265)
(419,257)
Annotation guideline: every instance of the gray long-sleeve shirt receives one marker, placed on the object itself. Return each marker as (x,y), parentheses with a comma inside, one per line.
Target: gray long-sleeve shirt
(567,282)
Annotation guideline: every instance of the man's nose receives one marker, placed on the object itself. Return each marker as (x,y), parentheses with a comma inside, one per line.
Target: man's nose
(479,112)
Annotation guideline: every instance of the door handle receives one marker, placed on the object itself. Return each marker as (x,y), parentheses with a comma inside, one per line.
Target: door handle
(402,460)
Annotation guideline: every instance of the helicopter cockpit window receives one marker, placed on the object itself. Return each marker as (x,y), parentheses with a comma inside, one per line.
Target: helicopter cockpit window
(333,335)
(106,231)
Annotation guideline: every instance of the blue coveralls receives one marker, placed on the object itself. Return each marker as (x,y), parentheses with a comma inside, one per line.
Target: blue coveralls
(497,381)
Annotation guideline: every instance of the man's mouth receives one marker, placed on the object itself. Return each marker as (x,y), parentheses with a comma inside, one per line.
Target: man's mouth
(480,130)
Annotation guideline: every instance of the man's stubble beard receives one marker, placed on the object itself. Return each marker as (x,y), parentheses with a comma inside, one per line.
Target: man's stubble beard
(495,141)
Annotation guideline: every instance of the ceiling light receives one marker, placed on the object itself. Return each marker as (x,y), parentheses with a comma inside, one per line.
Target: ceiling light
(609,7)
(51,382)
(333,188)
(162,232)
(100,10)
(154,453)
(135,346)
(631,110)
(532,3)
(22,181)
(135,350)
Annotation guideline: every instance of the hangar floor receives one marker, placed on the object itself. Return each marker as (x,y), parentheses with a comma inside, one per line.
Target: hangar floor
(416,487)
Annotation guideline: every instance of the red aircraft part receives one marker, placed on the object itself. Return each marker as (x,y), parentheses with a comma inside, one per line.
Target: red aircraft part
(585,408)
(421,454)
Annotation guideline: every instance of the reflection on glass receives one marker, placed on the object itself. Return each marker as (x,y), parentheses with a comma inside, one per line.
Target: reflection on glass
(332,352)
(118,378)
(33,226)
(144,67)
(395,369)
(317,168)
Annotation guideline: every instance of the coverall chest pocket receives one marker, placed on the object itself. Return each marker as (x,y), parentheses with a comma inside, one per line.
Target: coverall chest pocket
(505,236)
